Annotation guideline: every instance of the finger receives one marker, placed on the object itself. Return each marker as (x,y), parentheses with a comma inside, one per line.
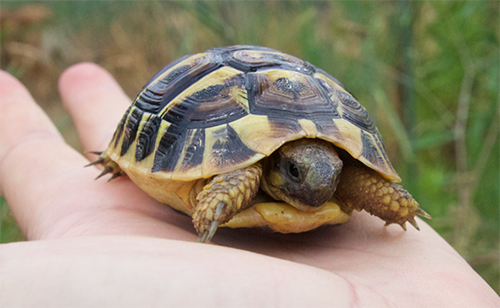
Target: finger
(22,118)
(96,103)
(21,122)
(32,152)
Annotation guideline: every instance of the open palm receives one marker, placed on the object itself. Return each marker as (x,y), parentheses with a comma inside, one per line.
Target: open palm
(110,244)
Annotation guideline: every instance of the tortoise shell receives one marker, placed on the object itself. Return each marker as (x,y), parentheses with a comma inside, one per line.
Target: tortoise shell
(227,108)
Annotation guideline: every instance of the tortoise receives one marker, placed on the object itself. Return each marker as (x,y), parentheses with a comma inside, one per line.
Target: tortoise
(247,136)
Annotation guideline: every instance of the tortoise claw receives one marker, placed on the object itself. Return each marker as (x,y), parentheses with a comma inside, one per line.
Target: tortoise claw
(109,166)
(413,222)
(202,237)
(114,176)
(422,213)
(96,162)
(206,236)
(106,170)
(403,225)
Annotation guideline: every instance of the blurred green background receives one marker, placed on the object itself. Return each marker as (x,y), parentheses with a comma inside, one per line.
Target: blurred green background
(427,72)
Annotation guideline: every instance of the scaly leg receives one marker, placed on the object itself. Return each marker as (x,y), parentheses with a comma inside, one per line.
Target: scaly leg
(223,197)
(361,188)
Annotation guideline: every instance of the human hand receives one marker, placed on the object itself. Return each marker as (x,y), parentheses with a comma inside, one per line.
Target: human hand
(109,244)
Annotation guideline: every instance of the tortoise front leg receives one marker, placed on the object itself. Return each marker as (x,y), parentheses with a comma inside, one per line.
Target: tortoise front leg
(361,188)
(223,197)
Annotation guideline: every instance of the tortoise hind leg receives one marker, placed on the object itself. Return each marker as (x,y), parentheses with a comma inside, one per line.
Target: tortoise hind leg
(361,188)
(223,197)
(109,166)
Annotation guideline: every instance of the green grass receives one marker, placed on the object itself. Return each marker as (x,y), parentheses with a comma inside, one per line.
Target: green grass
(9,230)
(427,72)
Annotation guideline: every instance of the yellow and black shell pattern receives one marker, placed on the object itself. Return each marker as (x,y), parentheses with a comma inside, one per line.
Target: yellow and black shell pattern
(227,108)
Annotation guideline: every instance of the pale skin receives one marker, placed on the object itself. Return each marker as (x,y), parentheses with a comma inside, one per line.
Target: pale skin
(94,243)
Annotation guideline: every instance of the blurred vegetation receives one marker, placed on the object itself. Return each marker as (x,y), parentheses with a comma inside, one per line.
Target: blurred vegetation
(427,71)
(9,231)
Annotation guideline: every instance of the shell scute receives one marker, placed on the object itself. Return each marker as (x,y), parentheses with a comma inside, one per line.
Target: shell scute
(148,130)
(130,130)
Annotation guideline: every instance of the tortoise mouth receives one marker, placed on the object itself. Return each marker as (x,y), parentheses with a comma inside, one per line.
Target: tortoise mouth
(284,218)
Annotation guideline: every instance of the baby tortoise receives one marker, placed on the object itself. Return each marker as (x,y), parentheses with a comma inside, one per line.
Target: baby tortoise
(247,136)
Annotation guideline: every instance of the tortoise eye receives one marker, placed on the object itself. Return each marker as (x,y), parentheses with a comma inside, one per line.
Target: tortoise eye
(293,171)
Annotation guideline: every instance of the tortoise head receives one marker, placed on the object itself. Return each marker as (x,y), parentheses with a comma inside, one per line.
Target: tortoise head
(303,173)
